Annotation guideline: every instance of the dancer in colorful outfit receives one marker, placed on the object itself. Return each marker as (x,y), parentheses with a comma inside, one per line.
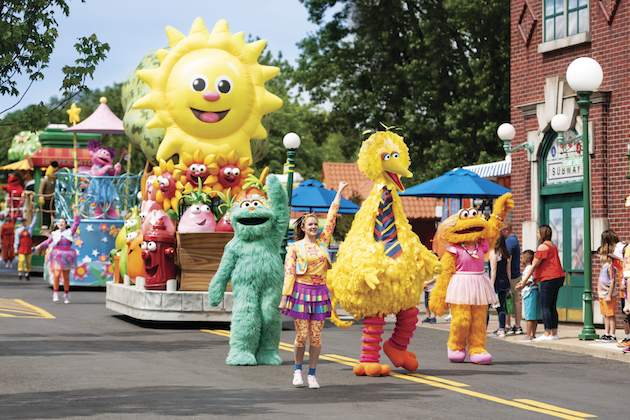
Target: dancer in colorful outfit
(305,296)
(62,257)
(23,245)
(7,233)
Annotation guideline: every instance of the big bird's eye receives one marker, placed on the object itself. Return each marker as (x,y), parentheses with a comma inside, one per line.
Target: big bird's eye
(224,85)
(463,214)
(245,204)
(395,155)
(193,168)
(199,83)
(385,156)
(473,212)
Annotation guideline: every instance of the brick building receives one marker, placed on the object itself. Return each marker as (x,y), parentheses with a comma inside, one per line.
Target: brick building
(546,36)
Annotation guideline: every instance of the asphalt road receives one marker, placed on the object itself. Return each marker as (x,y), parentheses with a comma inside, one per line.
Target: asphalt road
(90,363)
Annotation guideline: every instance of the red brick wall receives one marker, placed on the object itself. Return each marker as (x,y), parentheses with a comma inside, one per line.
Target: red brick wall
(529,69)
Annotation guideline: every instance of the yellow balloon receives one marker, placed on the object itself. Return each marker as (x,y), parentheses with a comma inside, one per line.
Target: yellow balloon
(209,92)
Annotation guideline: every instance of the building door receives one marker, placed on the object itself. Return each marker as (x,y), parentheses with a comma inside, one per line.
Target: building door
(564,213)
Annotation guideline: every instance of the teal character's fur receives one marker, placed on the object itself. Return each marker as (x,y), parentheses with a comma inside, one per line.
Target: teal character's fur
(251,260)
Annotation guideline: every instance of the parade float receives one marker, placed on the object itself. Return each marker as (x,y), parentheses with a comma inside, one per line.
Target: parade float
(194,109)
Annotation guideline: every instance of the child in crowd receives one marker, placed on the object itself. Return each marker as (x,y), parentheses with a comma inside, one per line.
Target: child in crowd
(531,297)
(607,293)
(616,250)
(428,286)
(23,244)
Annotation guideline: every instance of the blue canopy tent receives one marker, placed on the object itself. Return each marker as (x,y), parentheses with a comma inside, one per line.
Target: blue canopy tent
(459,183)
(311,196)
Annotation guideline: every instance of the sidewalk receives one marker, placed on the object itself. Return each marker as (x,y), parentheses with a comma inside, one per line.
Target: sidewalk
(568,341)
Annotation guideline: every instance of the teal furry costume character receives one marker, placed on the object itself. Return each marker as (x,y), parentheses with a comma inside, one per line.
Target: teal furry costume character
(251,260)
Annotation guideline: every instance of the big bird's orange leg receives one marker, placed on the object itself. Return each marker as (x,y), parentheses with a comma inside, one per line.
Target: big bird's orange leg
(477,336)
(368,362)
(396,347)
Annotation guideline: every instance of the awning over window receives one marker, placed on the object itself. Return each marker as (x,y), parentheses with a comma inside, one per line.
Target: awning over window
(43,157)
(491,170)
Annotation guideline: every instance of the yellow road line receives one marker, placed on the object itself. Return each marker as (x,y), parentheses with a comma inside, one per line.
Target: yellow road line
(24,309)
(452,386)
(553,407)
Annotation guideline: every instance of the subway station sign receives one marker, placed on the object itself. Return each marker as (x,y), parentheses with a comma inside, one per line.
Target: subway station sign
(564,163)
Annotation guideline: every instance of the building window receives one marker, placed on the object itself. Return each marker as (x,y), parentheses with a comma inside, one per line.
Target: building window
(565,18)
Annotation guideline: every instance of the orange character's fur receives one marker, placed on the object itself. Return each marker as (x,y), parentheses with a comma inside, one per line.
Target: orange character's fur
(469,321)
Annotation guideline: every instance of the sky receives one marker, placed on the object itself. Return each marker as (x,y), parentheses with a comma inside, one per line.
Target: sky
(133,28)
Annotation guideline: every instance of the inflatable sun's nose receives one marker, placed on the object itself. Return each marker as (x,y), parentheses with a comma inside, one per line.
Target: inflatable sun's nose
(211,96)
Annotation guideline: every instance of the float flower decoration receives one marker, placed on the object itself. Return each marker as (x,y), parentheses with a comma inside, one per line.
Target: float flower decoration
(194,170)
(169,192)
(80,272)
(228,172)
(108,270)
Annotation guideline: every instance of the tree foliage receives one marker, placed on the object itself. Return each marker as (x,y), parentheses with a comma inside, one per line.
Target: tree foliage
(28,32)
(437,69)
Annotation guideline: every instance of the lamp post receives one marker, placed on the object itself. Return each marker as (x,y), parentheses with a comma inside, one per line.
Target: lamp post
(506,132)
(585,75)
(291,142)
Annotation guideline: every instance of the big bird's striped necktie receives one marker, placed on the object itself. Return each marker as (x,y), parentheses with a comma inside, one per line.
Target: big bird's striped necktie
(385,226)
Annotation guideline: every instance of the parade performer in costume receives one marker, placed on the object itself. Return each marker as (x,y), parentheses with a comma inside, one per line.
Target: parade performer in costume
(23,244)
(62,257)
(14,190)
(381,266)
(464,284)
(100,189)
(305,296)
(251,261)
(7,233)
(46,194)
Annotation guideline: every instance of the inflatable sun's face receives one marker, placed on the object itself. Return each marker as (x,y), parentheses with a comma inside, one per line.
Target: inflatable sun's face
(209,92)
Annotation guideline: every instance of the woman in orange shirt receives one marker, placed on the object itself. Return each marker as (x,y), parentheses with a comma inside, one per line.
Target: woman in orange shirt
(548,273)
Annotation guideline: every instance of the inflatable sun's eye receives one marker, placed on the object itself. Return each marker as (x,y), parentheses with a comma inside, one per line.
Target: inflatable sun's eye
(395,155)
(143,245)
(195,209)
(385,156)
(199,83)
(245,204)
(227,171)
(473,212)
(193,168)
(151,246)
(463,214)
(202,169)
(223,85)
(205,208)
(236,171)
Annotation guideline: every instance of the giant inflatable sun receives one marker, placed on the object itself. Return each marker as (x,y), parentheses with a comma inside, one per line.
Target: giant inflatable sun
(209,92)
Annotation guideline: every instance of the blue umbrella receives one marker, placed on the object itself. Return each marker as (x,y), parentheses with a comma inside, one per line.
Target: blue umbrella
(311,196)
(459,183)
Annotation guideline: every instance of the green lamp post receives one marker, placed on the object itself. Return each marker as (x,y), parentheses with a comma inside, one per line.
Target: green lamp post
(291,142)
(585,75)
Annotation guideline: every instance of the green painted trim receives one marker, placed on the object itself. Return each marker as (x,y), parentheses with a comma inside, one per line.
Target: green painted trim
(568,188)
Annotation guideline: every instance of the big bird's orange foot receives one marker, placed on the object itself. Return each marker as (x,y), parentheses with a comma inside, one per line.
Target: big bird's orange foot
(404,358)
(371,369)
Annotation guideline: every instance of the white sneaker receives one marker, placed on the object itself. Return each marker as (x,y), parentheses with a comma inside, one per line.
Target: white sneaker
(448,317)
(66,298)
(544,338)
(555,337)
(297,378)
(312,382)
(55,296)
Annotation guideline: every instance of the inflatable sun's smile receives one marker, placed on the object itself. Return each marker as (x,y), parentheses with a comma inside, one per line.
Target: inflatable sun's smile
(209,92)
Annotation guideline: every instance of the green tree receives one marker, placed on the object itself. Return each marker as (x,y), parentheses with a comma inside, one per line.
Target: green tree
(437,69)
(28,32)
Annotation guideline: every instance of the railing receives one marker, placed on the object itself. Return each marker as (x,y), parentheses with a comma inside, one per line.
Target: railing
(97,197)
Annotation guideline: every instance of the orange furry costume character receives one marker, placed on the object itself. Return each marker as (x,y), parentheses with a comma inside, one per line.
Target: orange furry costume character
(464,283)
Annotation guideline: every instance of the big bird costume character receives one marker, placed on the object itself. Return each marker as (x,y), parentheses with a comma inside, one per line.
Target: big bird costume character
(464,283)
(382,265)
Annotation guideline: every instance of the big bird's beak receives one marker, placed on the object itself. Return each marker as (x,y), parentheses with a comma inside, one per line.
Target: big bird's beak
(394,170)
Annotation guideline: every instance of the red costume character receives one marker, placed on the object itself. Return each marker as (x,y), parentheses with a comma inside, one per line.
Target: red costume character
(7,233)
(158,253)
(14,190)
